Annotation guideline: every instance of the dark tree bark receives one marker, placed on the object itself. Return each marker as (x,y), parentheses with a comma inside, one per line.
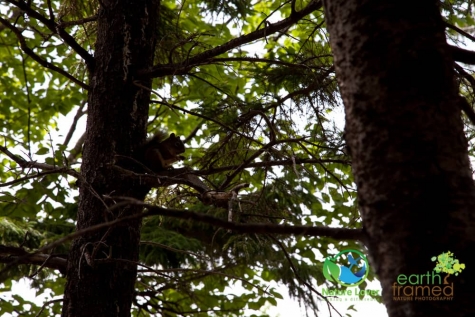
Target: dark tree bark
(101,272)
(405,134)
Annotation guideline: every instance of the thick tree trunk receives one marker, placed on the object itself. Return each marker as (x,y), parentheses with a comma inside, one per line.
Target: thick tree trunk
(101,270)
(409,153)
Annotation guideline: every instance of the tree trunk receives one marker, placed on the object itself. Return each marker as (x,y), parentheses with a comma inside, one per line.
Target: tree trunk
(409,153)
(101,269)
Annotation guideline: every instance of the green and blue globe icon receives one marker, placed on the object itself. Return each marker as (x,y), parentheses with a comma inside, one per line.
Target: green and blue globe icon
(348,268)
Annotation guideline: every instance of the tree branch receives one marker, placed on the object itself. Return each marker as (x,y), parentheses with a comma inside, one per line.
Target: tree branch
(463,102)
(460,31)
(15,14)
(65,24)
(202,116)
(56,29)
(37,58)
(30,164)
(462,55)
(261,60)
(271,163)
(78,116)
(255,228)
(269,28)
(76,150)
(19,255)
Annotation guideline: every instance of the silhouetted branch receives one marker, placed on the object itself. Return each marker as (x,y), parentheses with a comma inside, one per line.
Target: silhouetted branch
(462,55)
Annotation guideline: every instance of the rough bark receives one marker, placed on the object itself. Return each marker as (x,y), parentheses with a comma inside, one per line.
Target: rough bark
(405,135)
(101,270)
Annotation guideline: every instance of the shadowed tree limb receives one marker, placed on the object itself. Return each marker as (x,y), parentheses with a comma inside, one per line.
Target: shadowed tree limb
(270,28)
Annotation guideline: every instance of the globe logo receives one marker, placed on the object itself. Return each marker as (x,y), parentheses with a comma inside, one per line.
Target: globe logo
(348,268)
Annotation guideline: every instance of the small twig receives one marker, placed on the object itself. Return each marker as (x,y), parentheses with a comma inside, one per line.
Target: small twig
(32,176)
(47,303)
(252,113)
(42,265)
(50,10)
(27,87)
(24,239)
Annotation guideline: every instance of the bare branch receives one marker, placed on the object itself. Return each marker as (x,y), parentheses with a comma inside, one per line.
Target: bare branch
(272,163)
(255,228)
(50,10)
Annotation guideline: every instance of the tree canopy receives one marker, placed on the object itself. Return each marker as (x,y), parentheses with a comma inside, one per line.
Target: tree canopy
(251,88)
